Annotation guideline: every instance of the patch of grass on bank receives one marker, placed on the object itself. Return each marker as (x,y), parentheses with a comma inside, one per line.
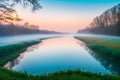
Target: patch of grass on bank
(108,42)
(106,49)
(10,52)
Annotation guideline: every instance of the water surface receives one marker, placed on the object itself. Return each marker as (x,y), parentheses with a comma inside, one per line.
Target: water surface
(56,54)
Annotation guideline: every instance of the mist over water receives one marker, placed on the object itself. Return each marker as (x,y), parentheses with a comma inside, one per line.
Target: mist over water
(57,54)
(7,40)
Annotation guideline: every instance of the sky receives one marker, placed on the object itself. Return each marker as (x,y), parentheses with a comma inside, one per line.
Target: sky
(65,15)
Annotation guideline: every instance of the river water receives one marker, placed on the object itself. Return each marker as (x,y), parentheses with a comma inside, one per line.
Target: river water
(56,54)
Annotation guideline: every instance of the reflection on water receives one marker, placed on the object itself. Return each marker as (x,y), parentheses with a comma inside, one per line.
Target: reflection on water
(16,61)
(54,55)
(111,64)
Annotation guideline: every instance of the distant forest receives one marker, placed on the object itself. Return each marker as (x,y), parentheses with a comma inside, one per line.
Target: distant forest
(12,29)
(108,23)
(109,30)
(8,15)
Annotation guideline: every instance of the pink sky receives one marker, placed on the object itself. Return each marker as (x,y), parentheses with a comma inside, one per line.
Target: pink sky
(63,22)
(62,19)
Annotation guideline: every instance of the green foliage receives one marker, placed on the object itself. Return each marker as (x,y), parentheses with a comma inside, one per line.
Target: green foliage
(62,75)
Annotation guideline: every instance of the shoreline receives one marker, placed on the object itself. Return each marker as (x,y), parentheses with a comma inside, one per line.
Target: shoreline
(9,65)
(10,52)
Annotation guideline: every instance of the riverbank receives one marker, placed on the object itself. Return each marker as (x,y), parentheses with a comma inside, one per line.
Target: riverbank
(10,52)
(106,50)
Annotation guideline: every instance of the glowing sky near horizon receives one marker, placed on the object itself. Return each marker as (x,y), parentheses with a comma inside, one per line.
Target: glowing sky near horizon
(66,15)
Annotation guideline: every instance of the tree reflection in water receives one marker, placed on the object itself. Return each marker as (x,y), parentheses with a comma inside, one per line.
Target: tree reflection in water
(16,61)
(109,64)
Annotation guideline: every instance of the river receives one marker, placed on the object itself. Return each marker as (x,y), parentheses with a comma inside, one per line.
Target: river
(56,54)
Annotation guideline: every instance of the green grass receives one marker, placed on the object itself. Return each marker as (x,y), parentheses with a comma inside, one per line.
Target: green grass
(108,42)
(106,49)
(62,75)
(10,52)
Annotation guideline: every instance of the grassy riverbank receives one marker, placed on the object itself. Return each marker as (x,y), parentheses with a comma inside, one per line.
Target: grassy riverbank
(107,46)
(62,75)
(10,52)
(107,51)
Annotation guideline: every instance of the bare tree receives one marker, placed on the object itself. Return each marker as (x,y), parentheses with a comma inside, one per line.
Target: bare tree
(8,14)
(34,4)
